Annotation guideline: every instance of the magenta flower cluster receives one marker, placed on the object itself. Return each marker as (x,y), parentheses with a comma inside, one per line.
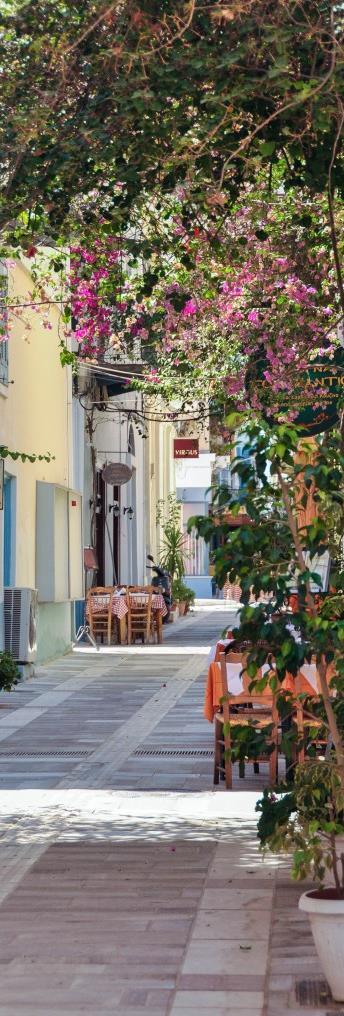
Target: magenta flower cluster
(95,282)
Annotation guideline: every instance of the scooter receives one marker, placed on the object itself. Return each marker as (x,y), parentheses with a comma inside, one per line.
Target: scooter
(161,579)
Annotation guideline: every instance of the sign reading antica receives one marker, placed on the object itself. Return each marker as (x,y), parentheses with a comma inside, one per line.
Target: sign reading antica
(315,392)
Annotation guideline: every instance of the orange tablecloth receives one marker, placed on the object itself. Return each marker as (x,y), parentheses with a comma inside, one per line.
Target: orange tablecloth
(213,691)
(213,688)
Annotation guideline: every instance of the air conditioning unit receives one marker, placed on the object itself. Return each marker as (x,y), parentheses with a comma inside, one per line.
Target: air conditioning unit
(20,623)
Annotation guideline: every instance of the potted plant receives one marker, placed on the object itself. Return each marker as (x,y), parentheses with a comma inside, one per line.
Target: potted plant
(182,595)
(9,674)
(292,489)
(173,547)
(189,596)
(308,822)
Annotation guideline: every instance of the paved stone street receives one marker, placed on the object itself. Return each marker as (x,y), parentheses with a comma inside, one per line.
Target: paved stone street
(127,884)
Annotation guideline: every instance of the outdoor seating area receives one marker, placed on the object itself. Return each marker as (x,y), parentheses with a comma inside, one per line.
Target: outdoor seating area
(231,702)
(125,615)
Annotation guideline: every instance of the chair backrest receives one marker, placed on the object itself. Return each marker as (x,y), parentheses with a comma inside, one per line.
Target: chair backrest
(99,598)
(139,612)
(139,600)
(241,658)
(265,698)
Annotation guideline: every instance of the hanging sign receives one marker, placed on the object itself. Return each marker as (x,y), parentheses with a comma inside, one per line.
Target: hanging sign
(116,473)
(186,448)
(315,394)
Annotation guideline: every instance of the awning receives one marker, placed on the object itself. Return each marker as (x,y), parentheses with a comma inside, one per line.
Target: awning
(117,378)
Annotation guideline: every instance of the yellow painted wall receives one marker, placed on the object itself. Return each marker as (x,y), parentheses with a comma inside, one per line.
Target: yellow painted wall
(160,478)
(35,417)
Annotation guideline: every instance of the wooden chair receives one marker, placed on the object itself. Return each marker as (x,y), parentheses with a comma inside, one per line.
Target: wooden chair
(139,615)
(101,619)
(257,711)
(156,625)
(156,622)
(309,727)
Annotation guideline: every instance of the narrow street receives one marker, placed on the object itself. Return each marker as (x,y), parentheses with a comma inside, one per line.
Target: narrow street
(127,885)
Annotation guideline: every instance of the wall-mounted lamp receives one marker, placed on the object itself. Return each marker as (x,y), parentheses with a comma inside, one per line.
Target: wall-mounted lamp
(98,504)
(115,508)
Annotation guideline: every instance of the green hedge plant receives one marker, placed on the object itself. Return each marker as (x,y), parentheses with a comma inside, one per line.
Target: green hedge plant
(9,673)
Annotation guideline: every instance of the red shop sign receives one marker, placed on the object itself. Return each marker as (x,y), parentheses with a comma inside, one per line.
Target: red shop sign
(186,448)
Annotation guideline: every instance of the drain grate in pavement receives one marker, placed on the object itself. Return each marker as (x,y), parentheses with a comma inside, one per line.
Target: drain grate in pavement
(175,752)
(44,754)
(313,993)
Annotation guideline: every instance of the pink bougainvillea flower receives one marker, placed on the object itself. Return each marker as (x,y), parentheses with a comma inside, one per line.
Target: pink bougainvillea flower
(253,316)
(190,308)
(153,376)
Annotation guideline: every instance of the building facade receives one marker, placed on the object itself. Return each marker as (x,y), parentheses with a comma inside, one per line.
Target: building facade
(36,522)
(121,518)
(87,423)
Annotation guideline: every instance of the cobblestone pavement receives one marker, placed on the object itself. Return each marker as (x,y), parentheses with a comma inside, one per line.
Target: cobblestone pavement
(127,885)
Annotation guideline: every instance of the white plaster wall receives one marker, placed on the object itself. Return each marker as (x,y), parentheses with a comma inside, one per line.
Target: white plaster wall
(195,472)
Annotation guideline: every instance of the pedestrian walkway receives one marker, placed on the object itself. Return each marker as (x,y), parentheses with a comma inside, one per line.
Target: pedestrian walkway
(127,884)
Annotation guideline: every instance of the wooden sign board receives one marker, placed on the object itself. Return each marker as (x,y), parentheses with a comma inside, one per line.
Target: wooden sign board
(316,391)
(116,473)
(186,448)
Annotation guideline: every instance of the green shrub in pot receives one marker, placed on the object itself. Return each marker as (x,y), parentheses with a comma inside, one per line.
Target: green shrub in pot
(9,674)
(181,593)
(307,821)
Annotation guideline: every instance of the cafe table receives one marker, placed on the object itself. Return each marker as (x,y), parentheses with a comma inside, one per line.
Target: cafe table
(119,609)
(307,680)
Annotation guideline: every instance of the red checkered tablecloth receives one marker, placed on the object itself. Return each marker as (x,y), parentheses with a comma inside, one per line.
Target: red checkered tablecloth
(120,607)
(158,603)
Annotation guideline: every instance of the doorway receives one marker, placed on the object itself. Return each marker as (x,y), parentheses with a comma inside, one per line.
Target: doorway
(116,534)
(100,529)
